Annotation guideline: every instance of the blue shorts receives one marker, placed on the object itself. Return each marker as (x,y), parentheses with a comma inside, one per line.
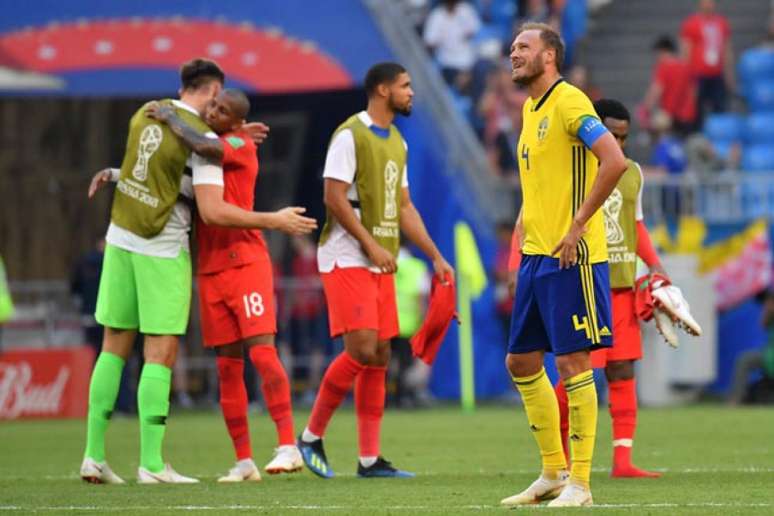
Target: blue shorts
(560,310)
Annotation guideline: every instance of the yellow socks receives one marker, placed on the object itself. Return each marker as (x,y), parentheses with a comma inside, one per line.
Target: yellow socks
(542,409)
(582,398)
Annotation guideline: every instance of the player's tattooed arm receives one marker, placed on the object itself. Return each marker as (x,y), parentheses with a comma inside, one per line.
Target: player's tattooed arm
(211,148)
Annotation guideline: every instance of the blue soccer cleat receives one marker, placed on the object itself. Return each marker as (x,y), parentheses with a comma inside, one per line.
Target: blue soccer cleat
(314,457)
(382,469)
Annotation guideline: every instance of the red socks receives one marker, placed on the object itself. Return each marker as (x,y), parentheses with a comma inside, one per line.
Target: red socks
(334,387)
(233,403)
(623,411)
(370,390)
(564,418)
(276,390)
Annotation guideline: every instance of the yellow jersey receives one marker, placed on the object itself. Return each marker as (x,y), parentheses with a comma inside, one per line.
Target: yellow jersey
(557,170)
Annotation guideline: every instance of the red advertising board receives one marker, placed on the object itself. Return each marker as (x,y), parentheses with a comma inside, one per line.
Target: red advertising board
(45,383)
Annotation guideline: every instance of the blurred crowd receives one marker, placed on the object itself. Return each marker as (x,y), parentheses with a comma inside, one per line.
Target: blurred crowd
(705,110)
(470,44)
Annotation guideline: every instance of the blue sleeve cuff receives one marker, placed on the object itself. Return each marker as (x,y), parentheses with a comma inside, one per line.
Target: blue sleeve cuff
(590,130)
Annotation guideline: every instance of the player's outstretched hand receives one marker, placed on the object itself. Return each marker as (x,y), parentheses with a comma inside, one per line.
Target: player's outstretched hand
(290,220)
(443,270)
(382,259)
(258,131)
(99,180)
(159,112)
(568,246)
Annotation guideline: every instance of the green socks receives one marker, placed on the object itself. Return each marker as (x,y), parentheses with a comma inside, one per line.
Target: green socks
(153,408)
(103,391)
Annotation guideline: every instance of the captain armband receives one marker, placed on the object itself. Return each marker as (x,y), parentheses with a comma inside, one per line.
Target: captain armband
(590,130)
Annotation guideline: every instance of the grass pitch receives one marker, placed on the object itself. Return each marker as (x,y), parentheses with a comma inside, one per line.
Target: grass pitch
(715,460)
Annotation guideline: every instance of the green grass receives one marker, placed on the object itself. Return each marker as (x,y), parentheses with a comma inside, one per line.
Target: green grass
(715,460)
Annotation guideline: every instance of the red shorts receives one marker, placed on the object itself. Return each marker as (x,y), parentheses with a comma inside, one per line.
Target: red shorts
(627,341)
(237,303)
(359,299)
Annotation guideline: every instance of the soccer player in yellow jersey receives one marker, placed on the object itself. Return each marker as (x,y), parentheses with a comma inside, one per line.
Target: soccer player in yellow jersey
(569,164)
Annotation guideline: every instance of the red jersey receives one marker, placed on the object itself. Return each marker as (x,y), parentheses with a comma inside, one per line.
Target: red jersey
(223,248)
(678,88)
(708,35)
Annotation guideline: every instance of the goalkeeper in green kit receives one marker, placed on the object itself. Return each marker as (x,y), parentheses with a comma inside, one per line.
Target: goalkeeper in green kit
(146,277)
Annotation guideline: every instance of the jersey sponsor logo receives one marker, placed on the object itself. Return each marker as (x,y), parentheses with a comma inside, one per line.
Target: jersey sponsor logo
(542,129)
(235,141)
(150,141)
(391,174)
(612,209)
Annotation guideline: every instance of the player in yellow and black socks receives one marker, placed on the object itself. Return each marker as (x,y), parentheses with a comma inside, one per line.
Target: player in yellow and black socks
(569,163)
(543,416)
(582,397)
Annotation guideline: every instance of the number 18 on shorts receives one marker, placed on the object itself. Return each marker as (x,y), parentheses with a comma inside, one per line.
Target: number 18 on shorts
(237,303)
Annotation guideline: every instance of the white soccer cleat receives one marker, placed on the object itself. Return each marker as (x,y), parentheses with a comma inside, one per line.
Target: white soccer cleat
(287,459)
(670,299)
(573,495)
(541,490)
(666,327)
(95,472)
(244,470)
(166,476)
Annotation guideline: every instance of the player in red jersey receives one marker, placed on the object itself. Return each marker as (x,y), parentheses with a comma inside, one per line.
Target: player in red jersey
(236,290)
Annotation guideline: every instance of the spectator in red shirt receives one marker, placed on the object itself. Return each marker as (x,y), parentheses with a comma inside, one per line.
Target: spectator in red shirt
(672,88)
(706,41)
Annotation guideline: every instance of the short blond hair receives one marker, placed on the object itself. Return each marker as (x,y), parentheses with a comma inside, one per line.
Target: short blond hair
(550,38)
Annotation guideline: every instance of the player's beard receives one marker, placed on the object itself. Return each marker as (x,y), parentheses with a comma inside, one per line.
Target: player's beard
(534,70)
(404,110)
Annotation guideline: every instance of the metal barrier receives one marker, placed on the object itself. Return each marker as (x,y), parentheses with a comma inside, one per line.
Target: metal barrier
(726,197)
(47,316)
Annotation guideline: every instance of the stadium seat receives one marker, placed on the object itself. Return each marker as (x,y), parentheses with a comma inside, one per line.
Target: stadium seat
(756,64)
(722,148)
(760,128)
(758,158)
(724,128)
(760,95)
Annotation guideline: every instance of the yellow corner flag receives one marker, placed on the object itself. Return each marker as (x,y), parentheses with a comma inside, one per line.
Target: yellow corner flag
(471,282)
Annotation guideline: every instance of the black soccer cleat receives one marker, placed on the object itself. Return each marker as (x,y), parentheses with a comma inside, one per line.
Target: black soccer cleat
(382,469)
(314,457)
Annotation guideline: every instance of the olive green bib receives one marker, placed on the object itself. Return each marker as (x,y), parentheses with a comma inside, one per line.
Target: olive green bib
(621,227)
(153,165)
(380,163)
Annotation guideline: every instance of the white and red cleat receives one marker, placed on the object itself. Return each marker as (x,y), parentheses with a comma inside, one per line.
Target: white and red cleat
(287,459)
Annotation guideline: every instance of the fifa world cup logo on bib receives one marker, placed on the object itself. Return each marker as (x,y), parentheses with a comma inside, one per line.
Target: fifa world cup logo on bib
(612,209)
(391,174)
(150,140)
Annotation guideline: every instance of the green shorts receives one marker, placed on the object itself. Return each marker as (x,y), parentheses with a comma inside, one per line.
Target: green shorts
(145,293)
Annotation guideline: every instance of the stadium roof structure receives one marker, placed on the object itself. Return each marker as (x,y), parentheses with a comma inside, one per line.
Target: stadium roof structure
(89,47)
